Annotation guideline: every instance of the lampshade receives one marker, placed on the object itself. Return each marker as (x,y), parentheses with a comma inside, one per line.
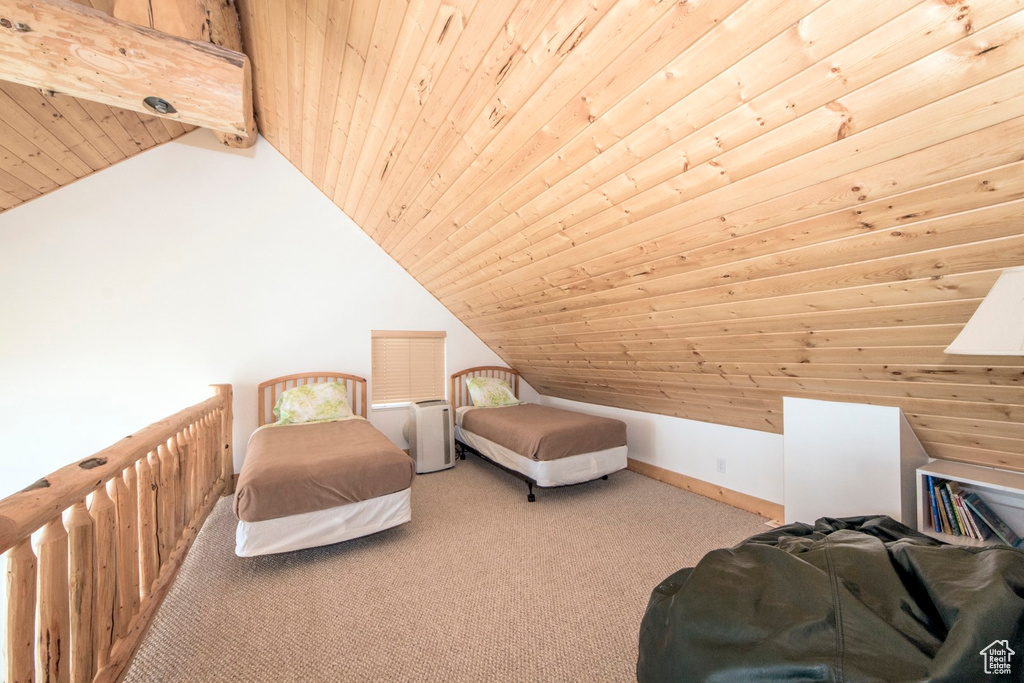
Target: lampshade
(997,327)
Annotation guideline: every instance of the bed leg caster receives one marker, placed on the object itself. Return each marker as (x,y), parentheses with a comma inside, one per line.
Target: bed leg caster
(529,496)
(605,477)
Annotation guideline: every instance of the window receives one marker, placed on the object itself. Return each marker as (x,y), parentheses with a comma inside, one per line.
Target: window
(407,367)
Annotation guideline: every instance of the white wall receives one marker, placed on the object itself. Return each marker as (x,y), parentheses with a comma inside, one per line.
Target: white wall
(753,459)
(127,293)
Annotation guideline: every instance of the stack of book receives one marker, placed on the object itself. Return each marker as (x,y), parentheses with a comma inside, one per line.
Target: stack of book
(963,513)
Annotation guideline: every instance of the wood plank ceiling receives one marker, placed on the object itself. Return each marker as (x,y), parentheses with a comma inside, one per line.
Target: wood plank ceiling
(48,140)
(688,208)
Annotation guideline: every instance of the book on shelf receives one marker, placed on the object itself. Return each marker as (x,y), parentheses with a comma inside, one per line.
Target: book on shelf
(994,521)
(947,502)
(936,524)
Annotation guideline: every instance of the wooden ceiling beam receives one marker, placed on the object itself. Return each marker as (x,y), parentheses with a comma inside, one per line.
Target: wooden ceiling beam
(64,47)
(207,21)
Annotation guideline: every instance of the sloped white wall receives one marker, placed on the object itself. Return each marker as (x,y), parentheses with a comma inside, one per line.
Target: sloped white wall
(125,294)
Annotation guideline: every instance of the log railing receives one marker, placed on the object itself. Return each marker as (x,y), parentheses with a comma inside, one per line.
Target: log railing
(111,532)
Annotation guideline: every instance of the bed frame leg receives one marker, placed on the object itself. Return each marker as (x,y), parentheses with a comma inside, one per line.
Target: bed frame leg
(529,496)
(605,477)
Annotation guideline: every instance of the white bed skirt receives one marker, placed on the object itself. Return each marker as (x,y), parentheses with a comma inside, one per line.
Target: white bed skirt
(323,527)
(573,469)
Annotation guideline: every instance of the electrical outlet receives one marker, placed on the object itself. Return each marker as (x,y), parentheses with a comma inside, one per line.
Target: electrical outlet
(721,465)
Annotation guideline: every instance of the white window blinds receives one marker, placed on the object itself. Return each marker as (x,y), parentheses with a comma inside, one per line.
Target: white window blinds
(407,366)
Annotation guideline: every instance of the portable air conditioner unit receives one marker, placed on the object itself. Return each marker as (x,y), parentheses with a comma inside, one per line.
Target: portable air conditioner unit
(430,435)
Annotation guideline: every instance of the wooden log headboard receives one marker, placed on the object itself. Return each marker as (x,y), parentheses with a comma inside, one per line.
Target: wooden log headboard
(459,393)
(269,391)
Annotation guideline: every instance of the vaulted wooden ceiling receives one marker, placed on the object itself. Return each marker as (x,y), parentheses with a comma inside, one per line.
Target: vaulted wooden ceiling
(689,208)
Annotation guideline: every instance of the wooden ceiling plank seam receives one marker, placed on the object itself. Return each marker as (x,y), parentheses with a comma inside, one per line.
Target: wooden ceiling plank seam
(997,106)
(395,25)
(172,128)
(43,135)
(521,38)
(974,456)
(770,388)
(336,49)
(496,31)
(82,121)
(690,245)
(54,160)
(296,22)
(25,172)
(961,425)
(771,385)
(313,62)
(33,156)
(365,16)
(580,125)
(413,52)
(12,184)
(576,209)
(156,130)
(135,127)
(111,126)
(8,201)
(555,80)
(824,242)
(744,374)
(41,110)
(971,226)
(277,38)
(251,47)
(972,440)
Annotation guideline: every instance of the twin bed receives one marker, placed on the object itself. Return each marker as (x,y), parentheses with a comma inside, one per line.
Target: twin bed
(546,447)
(316,472)
(326,479)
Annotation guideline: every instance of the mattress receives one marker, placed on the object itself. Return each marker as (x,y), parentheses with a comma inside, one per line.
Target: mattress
(573,469)
(323,527)
(543,433)
(297,469)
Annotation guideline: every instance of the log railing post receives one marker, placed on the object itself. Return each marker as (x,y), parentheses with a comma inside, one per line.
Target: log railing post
(149,562)
(81,572)
(20,627)
(53,628)
(105,601)
(226,457)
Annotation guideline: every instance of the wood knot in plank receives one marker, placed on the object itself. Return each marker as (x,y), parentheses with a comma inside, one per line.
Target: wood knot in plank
(92,463)
(43,483)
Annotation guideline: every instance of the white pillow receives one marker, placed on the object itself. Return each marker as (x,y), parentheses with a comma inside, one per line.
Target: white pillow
(491,392)
(313,403)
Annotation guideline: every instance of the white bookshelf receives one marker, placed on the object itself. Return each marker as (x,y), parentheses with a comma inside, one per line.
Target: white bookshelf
(1001,489)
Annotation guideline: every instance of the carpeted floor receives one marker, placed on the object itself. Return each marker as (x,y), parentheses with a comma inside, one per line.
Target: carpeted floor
(480,586)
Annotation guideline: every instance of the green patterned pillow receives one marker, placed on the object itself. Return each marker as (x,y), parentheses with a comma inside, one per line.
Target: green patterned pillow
(313,403)
(491,392)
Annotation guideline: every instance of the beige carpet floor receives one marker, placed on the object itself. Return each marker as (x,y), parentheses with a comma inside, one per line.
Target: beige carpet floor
(480,586)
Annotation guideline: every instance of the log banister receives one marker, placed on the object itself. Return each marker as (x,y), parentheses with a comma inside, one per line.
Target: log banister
(24,512)
(113,531)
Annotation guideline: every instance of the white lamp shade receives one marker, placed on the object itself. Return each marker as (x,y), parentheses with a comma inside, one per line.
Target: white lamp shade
(997,327)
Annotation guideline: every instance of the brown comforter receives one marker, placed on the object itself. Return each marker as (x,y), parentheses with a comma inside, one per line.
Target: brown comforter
(544,433)
(294,469)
